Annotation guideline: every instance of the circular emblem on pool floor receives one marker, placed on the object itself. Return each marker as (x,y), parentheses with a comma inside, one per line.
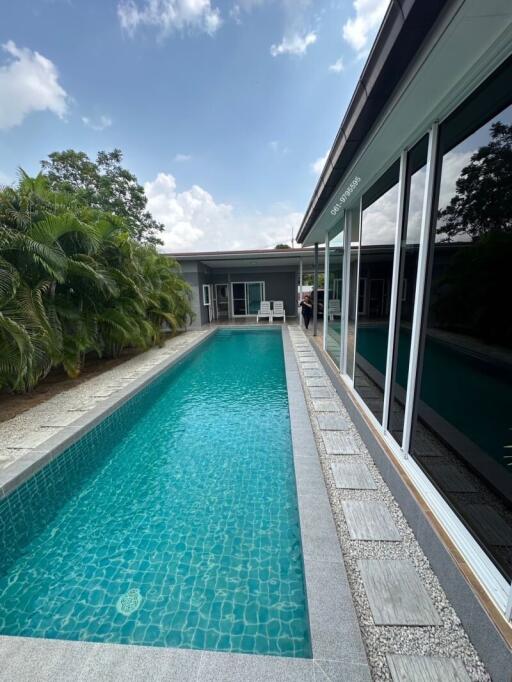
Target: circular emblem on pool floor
(129,602)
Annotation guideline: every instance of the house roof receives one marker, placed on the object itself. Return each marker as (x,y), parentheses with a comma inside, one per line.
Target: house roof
(403,30)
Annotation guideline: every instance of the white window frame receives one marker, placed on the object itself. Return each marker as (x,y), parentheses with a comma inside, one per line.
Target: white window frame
(491,579)
(246,295)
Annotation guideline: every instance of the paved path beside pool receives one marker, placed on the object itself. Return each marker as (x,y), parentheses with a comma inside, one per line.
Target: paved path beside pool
(410,630)
(30,429)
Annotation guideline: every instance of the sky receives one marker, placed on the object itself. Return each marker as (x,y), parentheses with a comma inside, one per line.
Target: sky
(224,109)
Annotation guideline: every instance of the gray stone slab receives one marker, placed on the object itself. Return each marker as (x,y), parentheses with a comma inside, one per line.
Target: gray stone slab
(320,392)
(341,671)
(227,667)
(315,381)
(353,476)
(64,418)
(318,532)
(31,439)
(43,660)
(327,421)
(449,477)
(321,405)
(312,373)
(426,669)
(334,627)
(367,520)
(396,593)
(340,443)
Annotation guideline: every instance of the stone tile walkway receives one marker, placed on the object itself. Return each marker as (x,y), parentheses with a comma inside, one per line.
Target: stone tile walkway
(29,430)
(410,630)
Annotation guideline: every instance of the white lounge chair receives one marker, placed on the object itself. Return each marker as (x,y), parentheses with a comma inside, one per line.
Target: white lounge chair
(278,310)
(334,308)
(264,311)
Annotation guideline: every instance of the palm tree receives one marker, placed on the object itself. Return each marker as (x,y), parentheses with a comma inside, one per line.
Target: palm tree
(73,281)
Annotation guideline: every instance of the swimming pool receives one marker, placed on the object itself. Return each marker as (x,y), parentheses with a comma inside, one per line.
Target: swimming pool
(174,522)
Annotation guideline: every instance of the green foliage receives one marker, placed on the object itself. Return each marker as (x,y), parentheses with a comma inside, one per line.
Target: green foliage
(103,184)
(75,280)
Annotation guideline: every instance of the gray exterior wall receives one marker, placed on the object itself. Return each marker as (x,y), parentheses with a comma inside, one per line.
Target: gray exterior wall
(193,273)
(280,285)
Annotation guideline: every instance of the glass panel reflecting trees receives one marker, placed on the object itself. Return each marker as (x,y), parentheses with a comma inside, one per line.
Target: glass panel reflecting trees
(377,243)
(333,294)
(409,249)
(353,226)
(463,428)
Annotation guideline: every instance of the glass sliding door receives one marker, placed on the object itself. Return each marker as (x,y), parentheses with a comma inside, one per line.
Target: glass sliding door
(333,295)
(377,244)
(409,251)
(239,299)
(462,426)
(254,297)
(247,297)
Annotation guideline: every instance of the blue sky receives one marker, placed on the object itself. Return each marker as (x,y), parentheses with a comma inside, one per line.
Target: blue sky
(223,108)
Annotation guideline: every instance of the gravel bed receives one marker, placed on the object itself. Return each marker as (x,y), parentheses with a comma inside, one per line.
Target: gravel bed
(448,639)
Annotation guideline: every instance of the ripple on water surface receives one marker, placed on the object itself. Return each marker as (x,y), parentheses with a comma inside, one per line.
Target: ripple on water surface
(179,526)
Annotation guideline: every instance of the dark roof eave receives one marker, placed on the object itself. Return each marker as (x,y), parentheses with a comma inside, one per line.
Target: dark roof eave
(403,30)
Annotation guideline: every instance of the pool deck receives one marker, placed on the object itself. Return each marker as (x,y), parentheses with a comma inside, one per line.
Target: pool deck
(376,609)
(32,439)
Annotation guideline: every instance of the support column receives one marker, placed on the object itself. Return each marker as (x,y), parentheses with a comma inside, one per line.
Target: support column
(315,293)
(326,291)
(301,284)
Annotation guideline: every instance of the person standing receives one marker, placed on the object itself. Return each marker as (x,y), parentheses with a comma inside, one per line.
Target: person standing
(307,309)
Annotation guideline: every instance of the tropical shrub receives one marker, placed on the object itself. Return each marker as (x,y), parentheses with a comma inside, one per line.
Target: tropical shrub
(74,280)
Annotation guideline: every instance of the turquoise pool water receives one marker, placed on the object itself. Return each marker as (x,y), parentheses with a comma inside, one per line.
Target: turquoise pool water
(174,522)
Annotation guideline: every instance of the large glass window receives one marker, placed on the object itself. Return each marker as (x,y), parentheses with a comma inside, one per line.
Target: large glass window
(333,291)
(377,243)
(409,249)
(463,423)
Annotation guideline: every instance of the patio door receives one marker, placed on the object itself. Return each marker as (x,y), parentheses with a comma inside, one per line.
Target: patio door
(247,297)
(221,301)
(254,297)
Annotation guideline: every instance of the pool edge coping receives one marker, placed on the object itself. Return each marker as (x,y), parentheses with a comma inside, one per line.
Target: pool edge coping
(335,636)
(28,464)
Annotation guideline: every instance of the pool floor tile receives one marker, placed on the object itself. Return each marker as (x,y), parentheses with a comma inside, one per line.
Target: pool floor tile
(426,669)
(396,594)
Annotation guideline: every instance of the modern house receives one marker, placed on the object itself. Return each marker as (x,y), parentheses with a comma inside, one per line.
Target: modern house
(412,220)
(414,206)
(231,285)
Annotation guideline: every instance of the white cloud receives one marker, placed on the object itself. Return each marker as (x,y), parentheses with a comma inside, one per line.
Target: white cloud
(369,15)
(338,66)
(28,82)
(181,158)
(194,221)
(318,165)
(100,124)
(169,15)
(278,148)
(294,44)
